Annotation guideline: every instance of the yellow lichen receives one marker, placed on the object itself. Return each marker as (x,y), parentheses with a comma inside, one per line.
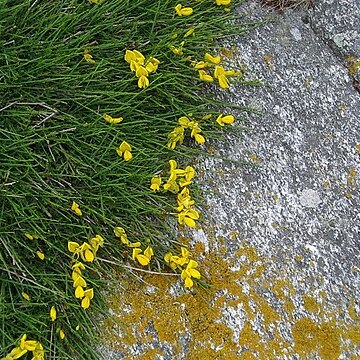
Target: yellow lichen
(198,315)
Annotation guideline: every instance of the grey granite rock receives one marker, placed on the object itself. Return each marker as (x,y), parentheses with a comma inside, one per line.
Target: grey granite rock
(338,24)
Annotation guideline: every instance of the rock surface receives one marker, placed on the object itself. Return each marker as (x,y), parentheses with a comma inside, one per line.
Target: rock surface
(289,218)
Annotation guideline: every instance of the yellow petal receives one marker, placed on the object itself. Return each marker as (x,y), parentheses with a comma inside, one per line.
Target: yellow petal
(148,252)
(73,246)
(195,274)
(212,59)
(129,56)
(17,353)
(112,120)
(134,244)
(228,119)
(205,77)
(125,146)
(173,165)
(141,71)
(79,292)
(143,82)
(127,155)
(78,266)
(199,139)
(88,255)
(53,313)
(26,296)
(189,222)
(30,345)
(61,334)
(85,303)
(136,252)
(40,255)
(189,32)
(167,257)
(79,282)
(29,236)
(186,11)
(223,82)
(89,293)
(219,71)
(184,252)
(143,260)
(192,265)
(188,282)
(119,231)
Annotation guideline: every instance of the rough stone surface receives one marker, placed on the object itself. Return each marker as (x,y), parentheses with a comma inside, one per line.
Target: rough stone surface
(338,24)
(296,201)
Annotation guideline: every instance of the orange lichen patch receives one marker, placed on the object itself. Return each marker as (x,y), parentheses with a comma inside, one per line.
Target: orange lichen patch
(310,304)
(160,310)
(310,338)
(352,333)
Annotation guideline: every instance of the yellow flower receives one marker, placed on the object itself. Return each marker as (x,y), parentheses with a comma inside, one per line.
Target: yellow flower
(220,75)
(88,57)
(212,59)
(176,136)
(184,200)
(184,121)
(190,272)
(188,217)
(141,71)
(28,345)
(40,255)
(203,75)
(124,150)
(142,258)
(15,353)
(53,313)
(88,295)
(112,120)
(134,58)
(149,252)
(183,11)
(85,250)
(76,209)
(222,120)
(76,273)
(223,2)
(176,262)
(38,353)
(95,242)
(152,64)
(120,232)
(189,32)
(143,82)
(195,133)
(61,334)
(177,50)
(96,1)
(155,183)
(26,296)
